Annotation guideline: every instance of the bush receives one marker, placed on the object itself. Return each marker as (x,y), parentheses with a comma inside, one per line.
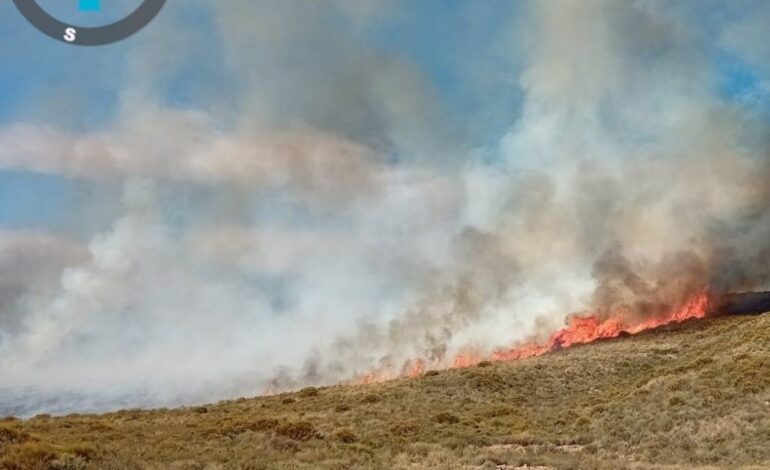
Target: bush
(371,398)
(297,430)
(68,462)
(446,418)
(403,428)
(498,411)
(482,380)
(10,435)
(342,407)
(308,392)
(83,451)
(346,436)
(676,400)
(28,455)
(284,445)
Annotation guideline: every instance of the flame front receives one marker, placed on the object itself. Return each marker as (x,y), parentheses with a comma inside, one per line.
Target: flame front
(579,330)
(586,329)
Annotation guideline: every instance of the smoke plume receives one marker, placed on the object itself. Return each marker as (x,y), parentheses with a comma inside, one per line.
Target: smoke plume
(316,207)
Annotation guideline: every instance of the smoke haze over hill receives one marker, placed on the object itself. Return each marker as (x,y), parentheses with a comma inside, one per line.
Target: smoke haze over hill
(300,198)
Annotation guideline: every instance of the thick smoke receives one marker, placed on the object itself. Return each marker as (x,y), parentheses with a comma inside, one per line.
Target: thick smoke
(320,212)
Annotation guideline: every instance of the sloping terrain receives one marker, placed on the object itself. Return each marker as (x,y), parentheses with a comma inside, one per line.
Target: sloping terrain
(693,395)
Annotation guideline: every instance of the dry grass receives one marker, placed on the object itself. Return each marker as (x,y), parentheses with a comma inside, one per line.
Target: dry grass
(689,396)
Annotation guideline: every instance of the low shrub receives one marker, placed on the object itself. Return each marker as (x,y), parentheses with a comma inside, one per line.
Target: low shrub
(446,418)
(676,400)
(235,428)
(403,428)
(28,455)
(68,462)
(83,450)
(297,430)
(498,411)
(341,408)
(371,398)
(308,392)
(284,444)
(346,436)
(9,435)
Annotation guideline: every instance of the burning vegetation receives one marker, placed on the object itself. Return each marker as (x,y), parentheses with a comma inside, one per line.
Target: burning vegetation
(583,329)
(586,329)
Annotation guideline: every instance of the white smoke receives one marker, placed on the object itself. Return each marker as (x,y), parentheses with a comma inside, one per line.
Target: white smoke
(346,225)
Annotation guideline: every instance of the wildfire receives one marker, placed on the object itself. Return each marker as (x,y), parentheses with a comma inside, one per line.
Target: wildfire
(412,369)
(586,329)
(579,330)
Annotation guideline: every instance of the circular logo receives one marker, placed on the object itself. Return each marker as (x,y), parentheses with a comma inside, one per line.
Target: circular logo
(89,36)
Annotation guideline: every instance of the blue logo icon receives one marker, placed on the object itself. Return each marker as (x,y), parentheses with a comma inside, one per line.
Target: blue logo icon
(89,5)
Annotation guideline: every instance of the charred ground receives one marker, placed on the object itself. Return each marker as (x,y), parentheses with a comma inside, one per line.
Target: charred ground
(693,395)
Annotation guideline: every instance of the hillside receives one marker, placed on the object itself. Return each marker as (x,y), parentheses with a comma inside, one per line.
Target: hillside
(694,395)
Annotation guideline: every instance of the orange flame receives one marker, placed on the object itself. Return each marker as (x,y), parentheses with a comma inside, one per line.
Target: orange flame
(579,330)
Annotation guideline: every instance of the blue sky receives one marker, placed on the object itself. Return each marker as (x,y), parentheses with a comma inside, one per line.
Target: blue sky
(78,89)
(461,48)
